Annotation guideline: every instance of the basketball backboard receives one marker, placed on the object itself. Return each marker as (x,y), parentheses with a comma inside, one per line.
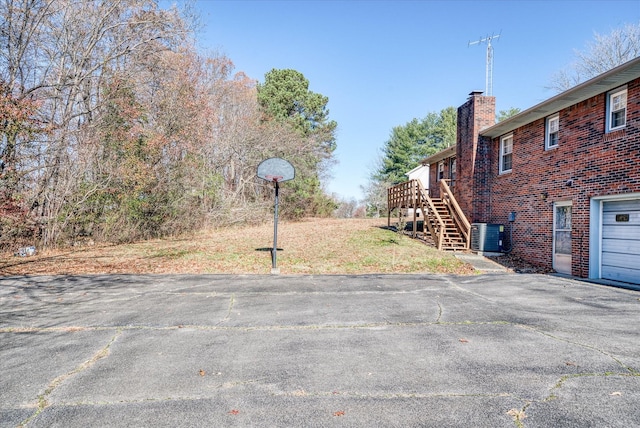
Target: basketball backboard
(276,169)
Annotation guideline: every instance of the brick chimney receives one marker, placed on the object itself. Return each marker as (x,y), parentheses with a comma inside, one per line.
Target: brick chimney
(473,155)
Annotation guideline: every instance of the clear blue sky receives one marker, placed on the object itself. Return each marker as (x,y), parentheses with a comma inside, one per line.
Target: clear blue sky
(383,63)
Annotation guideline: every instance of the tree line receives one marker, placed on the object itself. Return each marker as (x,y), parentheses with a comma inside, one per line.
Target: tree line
(114,127)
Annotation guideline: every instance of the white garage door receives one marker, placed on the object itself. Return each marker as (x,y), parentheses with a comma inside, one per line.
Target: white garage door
(621,241)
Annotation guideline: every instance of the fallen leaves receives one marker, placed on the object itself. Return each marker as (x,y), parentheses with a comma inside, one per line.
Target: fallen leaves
(518,415)
(202,372)
(234,412)
(463,340)
(338,413)
(616,393)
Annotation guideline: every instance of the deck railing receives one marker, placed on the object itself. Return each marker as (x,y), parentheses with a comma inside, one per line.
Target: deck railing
(403,195)
(411,194)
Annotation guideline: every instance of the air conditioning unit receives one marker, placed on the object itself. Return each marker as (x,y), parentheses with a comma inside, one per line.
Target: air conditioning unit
(487,237)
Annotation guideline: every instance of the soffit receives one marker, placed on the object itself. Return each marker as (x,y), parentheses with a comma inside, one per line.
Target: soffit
(443,154)
(599,84)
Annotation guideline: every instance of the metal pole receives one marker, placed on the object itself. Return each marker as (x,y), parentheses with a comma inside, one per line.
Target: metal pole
(274,251)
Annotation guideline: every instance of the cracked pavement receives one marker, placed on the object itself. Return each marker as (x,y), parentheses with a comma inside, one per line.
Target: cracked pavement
(492,350)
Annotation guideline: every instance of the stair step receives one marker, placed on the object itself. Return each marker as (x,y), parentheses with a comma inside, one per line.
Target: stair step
(439,220)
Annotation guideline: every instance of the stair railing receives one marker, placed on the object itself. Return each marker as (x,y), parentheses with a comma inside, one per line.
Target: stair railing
(411,194)
(456,212)
(430,211)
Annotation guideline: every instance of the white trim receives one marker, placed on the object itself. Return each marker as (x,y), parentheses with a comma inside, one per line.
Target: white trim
(600,84)
(596,205)
(554,230)
(416,169)
(554,118)
(421,173)
(610,111)
(501,154)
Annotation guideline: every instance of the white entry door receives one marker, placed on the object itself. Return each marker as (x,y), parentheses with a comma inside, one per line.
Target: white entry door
(562,237)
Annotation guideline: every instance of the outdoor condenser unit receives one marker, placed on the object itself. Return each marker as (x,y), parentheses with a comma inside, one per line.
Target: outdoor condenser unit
(487,237)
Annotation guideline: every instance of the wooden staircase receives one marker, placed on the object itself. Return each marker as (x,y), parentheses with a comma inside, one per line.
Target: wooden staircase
(452,237)
(443,218)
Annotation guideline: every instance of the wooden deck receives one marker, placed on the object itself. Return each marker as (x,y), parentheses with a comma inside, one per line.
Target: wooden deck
(443,220)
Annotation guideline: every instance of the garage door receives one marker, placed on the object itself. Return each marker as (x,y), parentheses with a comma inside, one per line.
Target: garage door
(621,241)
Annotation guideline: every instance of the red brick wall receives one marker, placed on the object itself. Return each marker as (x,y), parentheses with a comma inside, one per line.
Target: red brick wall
(434,186)
(587,163)
(472,152)
(434,182)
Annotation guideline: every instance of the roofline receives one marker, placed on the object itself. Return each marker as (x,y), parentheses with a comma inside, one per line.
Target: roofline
(416,168)
(442,154)
(602,83)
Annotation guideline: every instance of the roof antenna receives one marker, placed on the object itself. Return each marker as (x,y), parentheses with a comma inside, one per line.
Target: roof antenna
(489,71)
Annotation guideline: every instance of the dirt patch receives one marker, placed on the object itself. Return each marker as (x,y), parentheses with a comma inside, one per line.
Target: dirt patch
(517,265)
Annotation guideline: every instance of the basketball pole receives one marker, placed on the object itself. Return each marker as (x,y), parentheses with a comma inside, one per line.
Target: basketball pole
(274,251)
(275,170)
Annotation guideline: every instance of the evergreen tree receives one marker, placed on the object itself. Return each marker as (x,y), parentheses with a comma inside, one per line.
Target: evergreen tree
(285,97)
(416,140)
(506,114)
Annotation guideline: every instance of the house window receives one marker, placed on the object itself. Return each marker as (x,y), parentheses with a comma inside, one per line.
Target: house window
(506,151)
(617,109)
(452,172)
(440,170)
(551,135)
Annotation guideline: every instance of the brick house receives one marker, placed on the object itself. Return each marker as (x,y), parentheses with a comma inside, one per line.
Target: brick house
(563,176)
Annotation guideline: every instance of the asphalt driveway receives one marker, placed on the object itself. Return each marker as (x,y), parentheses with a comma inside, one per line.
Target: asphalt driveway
(492,350)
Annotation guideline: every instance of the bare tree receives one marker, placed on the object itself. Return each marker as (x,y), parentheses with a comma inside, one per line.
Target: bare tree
(347,208)
(60,53)
(115,126)
(602,54)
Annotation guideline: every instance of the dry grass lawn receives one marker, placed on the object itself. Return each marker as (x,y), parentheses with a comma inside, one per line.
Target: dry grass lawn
(313,246)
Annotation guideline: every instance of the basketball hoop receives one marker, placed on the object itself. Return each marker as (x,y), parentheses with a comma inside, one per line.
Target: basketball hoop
(275,170)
